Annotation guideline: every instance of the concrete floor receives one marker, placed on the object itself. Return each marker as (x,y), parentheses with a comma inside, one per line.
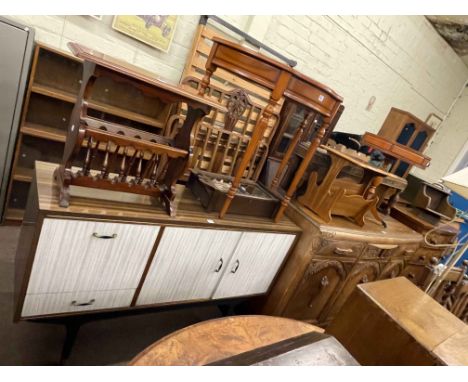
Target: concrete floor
(104,342)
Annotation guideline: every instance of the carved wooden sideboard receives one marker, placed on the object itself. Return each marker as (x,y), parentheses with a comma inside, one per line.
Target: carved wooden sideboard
(330,259)
(112,251)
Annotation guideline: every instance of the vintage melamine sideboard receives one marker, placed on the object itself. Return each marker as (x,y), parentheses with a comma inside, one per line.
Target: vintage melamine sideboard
(112,251)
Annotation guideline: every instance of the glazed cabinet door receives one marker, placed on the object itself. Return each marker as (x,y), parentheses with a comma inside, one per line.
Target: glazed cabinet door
(188,264)
(254,264)
(321,281)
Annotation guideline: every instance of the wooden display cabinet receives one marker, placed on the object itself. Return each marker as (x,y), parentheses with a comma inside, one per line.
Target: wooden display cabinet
(405,129)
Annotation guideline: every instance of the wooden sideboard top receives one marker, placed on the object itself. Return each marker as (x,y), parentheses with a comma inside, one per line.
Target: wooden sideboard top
(428,322)
(342,228)
(96,203)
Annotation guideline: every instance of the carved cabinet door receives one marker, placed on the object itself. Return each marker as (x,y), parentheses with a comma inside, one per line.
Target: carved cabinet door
(319,285)
(392,269)
(362,272)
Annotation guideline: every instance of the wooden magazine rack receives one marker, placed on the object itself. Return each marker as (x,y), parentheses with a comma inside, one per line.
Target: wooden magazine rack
(340,196)
(126,159)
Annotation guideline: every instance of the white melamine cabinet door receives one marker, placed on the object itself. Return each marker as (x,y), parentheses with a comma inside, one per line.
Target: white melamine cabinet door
(73,256)
(187,265)
(254,264)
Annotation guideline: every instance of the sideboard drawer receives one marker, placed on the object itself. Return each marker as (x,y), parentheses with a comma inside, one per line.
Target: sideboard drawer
(73,256)
(345,249)
(55,303)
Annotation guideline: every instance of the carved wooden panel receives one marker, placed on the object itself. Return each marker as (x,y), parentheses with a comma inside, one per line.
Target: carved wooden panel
(392,269)
(362,272)
(74,256)
(318,287)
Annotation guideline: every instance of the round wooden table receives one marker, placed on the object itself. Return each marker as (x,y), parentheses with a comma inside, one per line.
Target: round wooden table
(213,340)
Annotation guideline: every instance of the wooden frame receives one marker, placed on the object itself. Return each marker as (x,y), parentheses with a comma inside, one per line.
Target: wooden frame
(281,80)
(167,159)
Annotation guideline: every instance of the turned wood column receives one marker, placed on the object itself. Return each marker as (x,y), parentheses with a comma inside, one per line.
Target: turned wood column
(257,135)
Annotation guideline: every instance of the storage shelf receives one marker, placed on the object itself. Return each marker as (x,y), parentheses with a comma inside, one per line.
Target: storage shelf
(23,174)
(44,132)
(54,93)
(99,106)
(15,214)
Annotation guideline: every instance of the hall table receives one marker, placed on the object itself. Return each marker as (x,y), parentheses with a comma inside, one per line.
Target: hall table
(394,323)
(246,340)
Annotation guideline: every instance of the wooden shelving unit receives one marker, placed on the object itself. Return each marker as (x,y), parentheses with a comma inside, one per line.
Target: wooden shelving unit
(53,87)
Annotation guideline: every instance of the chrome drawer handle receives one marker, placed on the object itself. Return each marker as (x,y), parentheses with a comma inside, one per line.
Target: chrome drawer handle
(113,236)
(236,266)
(220,265)
(90,302)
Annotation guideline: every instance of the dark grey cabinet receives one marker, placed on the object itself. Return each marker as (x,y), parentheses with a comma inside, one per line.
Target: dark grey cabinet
(16,46)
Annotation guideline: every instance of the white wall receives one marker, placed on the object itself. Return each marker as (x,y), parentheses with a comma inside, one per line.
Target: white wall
(449,142)
(399,60)
(57,31)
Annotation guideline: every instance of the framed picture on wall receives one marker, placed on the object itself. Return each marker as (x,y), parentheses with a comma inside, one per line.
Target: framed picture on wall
(156,31)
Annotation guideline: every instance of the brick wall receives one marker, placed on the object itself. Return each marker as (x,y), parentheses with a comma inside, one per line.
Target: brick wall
(399,60)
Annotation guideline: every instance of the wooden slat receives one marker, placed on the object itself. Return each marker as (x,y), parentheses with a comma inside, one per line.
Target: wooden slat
(15,214)
(45,132)
(54,93)
(23,174)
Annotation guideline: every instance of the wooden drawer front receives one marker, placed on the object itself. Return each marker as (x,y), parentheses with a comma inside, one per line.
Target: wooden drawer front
(339,248)
(55,303)
(417,274)
(70,259)
(381,251)
(188,264)
(424,255)
(254,264)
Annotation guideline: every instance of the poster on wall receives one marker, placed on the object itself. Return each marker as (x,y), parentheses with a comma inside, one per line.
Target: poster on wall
(156,31)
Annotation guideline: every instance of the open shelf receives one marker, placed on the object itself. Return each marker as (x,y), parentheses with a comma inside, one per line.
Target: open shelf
(53,92)
(23,174)
(15,214)
(102,107)
(46,132)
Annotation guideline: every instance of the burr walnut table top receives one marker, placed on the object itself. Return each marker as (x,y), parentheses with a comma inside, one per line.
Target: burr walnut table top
(213,340)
